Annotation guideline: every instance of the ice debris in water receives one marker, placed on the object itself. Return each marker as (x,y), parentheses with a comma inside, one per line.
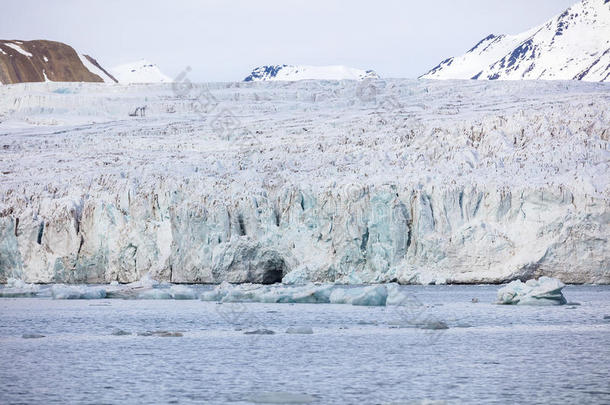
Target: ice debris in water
(155,294)
(300,330)
(260,332)
(180,292)
(160,333)
(375,295)
(75,292)
(544,291)
(132,290)
(18,288)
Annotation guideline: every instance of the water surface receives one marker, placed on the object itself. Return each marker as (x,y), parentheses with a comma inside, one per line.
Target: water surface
(357,355)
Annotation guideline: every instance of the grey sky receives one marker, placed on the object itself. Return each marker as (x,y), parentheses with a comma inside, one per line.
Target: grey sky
(223,40)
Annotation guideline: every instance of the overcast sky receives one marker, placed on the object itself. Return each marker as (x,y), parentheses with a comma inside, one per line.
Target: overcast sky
(223,40)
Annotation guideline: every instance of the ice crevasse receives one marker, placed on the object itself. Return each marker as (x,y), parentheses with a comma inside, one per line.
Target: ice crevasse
(465,182)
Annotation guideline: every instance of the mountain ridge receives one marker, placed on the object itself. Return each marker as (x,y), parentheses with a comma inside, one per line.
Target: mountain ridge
(307,72)
(44,60)
(574,45)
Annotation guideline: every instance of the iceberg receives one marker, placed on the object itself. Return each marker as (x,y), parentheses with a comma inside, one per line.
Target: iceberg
(155,294)
(260,332)
(180,292)
(18,288)
(132,290)
(299,330)
(364,296)
(375,295)
(396,297)
(77,292)
(544,291)
(371,296)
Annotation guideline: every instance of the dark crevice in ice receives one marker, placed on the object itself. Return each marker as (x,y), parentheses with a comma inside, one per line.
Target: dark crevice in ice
(40,232)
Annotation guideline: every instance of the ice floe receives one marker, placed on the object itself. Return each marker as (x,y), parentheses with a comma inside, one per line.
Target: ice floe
(149,289)
(544,291)
(180,292)
(300,330)
(259,332)
(18,288)
(71,292)
(374,295)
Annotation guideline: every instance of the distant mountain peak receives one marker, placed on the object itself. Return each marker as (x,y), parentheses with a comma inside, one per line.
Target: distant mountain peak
(575,45)
(141,71)
(305,72)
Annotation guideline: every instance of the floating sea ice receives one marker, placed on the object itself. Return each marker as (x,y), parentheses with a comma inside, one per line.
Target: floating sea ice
(367,296)
(212,295)
(300,330)
(544,291)
(180,292)
(239,295)
(155,294)
(260,332)
(343,295)
(77,292)
(397,297)
(311,294)
(131,290)
(18,288)
(372,296)
(160,333)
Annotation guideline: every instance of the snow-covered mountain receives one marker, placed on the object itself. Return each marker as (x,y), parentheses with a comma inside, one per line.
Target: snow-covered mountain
(45,61)
(303,72)
(141,71)
(574,45)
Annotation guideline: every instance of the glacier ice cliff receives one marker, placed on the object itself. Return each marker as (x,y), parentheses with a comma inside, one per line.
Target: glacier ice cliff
(419,182)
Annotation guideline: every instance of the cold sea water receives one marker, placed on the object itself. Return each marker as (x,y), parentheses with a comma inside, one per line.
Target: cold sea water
(111,351)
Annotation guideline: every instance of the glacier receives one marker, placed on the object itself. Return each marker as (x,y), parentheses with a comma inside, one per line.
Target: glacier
(347,182)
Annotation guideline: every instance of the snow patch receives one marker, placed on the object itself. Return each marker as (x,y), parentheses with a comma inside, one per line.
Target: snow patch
(94,69)
(141,71)
(304,72)
(572,45)
(18,49)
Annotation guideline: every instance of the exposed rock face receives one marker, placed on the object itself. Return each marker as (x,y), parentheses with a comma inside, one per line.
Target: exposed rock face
(468,183)
(41,61)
